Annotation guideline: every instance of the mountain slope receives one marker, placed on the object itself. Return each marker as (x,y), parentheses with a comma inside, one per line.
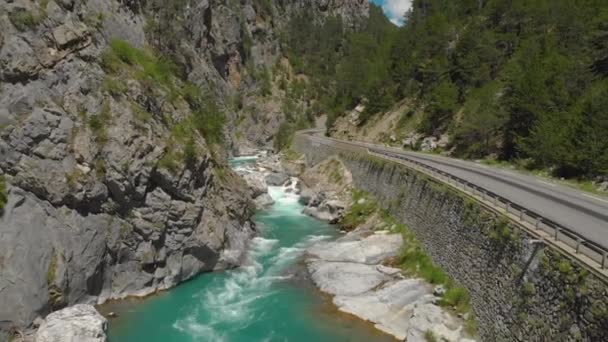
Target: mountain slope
(514,80)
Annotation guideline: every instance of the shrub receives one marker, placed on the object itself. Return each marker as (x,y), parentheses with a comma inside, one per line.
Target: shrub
(363,207)
(121,52)
(456,297)
(284,136)
(23,19)
(429,336)
(209,121)
(3,194)
(115,86)
(170,162)
(98,124)
(190,152)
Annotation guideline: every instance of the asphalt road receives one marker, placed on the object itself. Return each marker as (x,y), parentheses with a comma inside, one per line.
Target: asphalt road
(581,212)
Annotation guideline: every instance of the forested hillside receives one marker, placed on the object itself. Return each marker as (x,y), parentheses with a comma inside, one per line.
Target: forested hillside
(512,79)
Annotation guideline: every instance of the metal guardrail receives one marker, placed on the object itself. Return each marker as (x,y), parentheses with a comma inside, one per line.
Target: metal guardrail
(554,233)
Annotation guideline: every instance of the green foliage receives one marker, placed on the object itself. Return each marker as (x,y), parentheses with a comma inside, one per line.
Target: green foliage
(362,208)
(170,161)
(429,336)
(502,233)
(457,298)
(99,123)
(564,267)
(152,68)
(511,79)
(346,66)
(442,103)
(415,260)
(265,80)
(52,270)
(209,120)
(284,136)
(140,114)
(3,194)
(23,19)
(528,289)
(100,168)
(263,6)
(291,155)
(115,86)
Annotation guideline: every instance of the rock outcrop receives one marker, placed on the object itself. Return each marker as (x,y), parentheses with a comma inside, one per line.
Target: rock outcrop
(111,193)
(78,323)
(351,270)
(326,190)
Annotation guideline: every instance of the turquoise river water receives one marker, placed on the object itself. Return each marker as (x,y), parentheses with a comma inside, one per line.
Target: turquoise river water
(265,300)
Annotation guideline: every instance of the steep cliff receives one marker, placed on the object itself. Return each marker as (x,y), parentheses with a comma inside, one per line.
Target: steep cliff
(112,142)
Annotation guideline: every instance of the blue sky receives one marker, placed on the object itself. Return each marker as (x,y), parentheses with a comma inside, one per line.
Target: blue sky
(394,9)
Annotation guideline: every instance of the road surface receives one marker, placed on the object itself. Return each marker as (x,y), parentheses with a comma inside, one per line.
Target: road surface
(581,212)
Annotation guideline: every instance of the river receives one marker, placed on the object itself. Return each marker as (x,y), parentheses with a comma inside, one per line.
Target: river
(264,300)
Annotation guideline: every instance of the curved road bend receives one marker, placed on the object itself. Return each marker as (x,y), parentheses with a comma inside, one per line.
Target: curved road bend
(583,213)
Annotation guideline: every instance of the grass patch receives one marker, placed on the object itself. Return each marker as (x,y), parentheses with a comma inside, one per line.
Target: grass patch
(52,270)
(413,259)
(140,113)
(74,177)
(3,194)
(457,298)
(100,168)
(23,19)
(363,207)
(429,336)
(170,161)
(98,124)
(290,155)
(122,54)
(114,86)
(503,234)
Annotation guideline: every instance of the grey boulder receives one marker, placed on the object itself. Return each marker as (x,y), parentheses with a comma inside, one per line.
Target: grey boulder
(78,323)
(276,179)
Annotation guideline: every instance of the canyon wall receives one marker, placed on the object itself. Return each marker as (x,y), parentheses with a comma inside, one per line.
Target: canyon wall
(116,182)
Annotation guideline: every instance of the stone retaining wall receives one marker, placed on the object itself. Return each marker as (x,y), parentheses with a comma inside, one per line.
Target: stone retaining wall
(520,290)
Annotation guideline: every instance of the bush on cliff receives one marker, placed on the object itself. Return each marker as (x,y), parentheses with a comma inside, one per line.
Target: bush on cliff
(3,194)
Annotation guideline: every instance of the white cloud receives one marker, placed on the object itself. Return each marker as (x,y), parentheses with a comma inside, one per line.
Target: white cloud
(395,9)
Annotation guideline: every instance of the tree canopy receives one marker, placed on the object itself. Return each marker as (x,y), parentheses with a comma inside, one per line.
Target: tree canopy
(518,79)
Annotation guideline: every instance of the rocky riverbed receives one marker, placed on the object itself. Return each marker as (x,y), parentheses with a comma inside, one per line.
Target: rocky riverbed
(351,270)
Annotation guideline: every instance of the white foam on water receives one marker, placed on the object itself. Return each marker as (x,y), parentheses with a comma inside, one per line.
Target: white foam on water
(316,238)
(200,331)
(261,246)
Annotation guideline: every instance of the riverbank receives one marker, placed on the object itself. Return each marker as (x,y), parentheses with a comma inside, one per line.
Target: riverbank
(362,269)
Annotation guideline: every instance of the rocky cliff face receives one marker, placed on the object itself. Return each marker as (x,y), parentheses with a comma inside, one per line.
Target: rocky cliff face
(115,188)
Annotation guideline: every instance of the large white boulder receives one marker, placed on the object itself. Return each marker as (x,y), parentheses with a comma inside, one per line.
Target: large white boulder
(78,323)
(257,183)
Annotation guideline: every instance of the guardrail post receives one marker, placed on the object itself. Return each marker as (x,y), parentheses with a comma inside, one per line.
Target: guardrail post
(538,222)
(604,258)
(557,230)
(578,245)
(521,214)
(508,207)
(496,201)
(483,195)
